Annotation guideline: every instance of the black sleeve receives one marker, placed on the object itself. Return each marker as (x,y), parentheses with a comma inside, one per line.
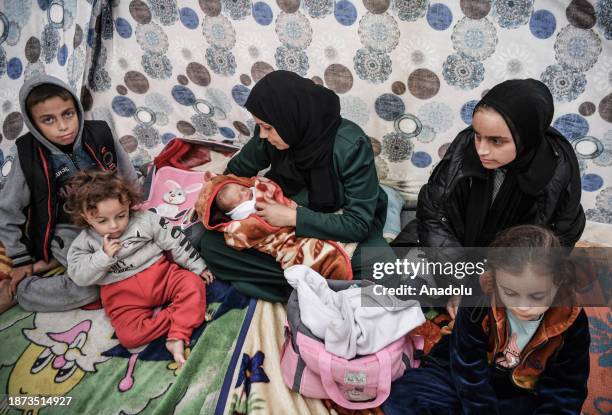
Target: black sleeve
(562,387)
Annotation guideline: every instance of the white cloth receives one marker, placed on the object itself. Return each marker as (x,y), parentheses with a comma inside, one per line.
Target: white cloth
(339,319)
(243,210)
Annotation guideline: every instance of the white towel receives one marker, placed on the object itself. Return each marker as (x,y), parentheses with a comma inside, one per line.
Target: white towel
(347,328)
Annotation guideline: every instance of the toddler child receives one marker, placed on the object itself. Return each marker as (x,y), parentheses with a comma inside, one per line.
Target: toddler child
(122,251)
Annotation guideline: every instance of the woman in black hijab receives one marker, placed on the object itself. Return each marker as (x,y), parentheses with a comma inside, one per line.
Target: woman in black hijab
(323,162)
(509,168)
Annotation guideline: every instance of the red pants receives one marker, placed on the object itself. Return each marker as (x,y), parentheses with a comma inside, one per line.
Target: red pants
(129,304)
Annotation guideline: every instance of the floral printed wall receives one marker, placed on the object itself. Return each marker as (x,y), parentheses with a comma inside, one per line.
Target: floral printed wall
(409,72)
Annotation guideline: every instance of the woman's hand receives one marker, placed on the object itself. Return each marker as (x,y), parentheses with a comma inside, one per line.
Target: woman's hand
(276,214)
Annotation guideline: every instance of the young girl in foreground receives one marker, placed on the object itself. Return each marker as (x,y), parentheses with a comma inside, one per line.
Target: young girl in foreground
(520,355)
(122,251)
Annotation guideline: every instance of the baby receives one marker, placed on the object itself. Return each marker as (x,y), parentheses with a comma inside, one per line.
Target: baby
(227,204)
(123,251)
(236,201)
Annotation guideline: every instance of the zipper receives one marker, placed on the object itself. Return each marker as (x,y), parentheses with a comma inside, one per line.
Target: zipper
(524,359)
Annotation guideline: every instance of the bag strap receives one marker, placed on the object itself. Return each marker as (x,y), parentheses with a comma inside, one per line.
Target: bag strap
(330,386)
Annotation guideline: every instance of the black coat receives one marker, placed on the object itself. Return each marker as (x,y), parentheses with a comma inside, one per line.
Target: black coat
(442,204)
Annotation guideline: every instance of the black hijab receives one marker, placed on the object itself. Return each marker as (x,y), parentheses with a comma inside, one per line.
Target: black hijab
(527,107)
(307,117)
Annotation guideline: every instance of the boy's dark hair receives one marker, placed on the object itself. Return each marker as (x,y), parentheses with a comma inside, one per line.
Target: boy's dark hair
(87,188)
(44,92)
(536,246)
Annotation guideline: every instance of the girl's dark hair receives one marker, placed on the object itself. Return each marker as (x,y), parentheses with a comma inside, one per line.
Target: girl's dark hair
(88,188)
(536,246)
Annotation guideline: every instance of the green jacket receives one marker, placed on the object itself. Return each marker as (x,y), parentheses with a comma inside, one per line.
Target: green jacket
(364,203)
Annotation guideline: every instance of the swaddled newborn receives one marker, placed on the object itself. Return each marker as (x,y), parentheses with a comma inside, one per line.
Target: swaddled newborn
(227,204)
(236,201)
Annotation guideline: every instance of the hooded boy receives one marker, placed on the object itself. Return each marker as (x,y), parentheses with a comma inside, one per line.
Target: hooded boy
(34,228)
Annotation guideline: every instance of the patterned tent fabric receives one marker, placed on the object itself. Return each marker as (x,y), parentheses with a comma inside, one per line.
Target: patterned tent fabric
(409,72)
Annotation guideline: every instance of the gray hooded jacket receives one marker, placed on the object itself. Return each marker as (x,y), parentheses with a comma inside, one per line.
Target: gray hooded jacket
(16,196)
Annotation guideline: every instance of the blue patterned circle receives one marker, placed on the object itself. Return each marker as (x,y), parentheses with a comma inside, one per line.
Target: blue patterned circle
(156,65)
(511,14)
(240,93)
(123,27)
(183,95)
(221,61)
(577,48)
(227,132)
(262,13)
(603,11)
(396,147)
(167,137)
(543,24)
(49,42)
(379,32)
(345,13)
(439,16)
(592,182)
(437,115)
(189,18)
(3,63)
(410,10)
(293,29)
(474,38)
(292,59)
(62,55)
(318,8)
(18,11)
(237,9)
(123,106)
(572,126)
(463,71)
(467,111)
(219,32)
(565,84)
(421,159)
(389,106)
(14,68)
(166,11)
(372,65)
(152,38)
(204,124)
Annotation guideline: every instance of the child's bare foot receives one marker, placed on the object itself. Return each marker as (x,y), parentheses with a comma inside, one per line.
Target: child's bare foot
(177,349)
(6,299)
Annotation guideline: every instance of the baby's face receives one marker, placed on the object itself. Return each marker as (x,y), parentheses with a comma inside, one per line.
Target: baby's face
(234,194)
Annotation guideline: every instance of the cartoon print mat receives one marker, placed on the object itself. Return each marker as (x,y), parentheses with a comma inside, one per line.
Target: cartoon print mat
(74,354)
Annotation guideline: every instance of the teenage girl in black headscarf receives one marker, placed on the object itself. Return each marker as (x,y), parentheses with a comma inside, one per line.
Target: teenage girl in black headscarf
(509,168)
(323,162)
